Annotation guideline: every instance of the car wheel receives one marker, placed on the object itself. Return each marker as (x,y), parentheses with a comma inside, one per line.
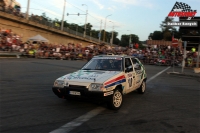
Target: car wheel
(142,88)
(116,100)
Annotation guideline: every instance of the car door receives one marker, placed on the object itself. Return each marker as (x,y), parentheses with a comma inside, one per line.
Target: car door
(138,72)
(130,75)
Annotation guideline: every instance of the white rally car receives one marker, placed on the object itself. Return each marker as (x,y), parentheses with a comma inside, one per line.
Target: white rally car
(104,77)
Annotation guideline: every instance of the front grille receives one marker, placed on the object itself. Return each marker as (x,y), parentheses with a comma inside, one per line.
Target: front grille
(77,86)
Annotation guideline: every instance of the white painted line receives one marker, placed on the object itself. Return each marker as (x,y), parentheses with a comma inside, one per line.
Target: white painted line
(153,77)
(80,120)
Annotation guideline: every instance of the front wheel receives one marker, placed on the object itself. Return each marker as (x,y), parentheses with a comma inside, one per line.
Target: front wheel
(116,100)
(142,88)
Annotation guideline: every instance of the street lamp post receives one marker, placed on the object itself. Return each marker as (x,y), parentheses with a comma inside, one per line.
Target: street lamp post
(90,34)
(76,29)
(105,28)
(112,34)
(63,15)
(100,32)
(27,10)
(85,18)
(130,38)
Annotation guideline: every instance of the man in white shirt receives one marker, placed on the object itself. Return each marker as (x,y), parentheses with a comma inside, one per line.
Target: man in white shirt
(87,52)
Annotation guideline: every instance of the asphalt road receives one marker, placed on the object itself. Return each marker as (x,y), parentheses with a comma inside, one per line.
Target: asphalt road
(28,105)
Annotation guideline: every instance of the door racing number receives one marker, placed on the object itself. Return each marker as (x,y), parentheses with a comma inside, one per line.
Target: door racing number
(130,82)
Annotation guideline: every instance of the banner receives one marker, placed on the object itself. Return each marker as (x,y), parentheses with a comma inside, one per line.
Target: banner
(161,42)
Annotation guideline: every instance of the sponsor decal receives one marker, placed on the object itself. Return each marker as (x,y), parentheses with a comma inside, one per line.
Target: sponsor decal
(88,78)
(115,58)
(94,75)
(108,93)
(83,75)
(138,71)
(115,81)
(138,81)
(109,88)
(130,75)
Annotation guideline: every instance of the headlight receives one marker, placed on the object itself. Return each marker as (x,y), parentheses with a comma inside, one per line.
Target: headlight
(59,83)
(96,87)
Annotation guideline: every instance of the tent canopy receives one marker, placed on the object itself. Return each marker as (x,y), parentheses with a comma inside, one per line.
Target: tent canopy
(38,38)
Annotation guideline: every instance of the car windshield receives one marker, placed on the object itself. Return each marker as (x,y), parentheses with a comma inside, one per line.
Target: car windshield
(105,63)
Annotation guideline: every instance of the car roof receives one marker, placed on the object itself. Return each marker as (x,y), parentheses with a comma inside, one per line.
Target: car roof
(117,56)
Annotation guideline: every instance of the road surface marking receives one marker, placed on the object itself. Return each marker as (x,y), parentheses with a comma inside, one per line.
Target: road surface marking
(153,77)
(80,120)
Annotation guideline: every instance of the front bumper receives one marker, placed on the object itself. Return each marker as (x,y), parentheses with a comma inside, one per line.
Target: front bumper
(84,93)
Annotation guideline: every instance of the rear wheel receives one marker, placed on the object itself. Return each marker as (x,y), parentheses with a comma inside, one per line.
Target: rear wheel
(142,88)
(116,100)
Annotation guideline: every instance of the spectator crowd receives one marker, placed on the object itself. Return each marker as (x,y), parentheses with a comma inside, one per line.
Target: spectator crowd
(156,54)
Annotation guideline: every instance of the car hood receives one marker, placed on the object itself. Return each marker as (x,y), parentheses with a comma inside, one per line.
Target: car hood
(88,76)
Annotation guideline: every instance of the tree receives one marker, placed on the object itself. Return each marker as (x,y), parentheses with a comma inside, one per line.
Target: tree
(150,36)
(167,36)
(88,28)
(134,38)
(65,24)
(116,41)
(94,33)
(157,35)
(72,26)
(44,17)
(125,39)
(81,29)
(168,30)
(141,44)
(164,25)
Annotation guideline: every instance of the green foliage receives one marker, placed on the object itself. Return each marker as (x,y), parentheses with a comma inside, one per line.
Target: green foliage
(116,41)
(81,29)
(166,31)
(140,44)
(164,26)
(167,36)
(125,39)
(157,35)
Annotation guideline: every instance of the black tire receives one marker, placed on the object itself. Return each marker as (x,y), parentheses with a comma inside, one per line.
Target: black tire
(68,98)
(116,100)
(142,88)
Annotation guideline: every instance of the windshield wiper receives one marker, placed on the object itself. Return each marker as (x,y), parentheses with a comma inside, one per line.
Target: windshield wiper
(86,69)
(100,69)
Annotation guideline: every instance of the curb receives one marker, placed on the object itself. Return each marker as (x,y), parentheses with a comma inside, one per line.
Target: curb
(10,56)
(184,74)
